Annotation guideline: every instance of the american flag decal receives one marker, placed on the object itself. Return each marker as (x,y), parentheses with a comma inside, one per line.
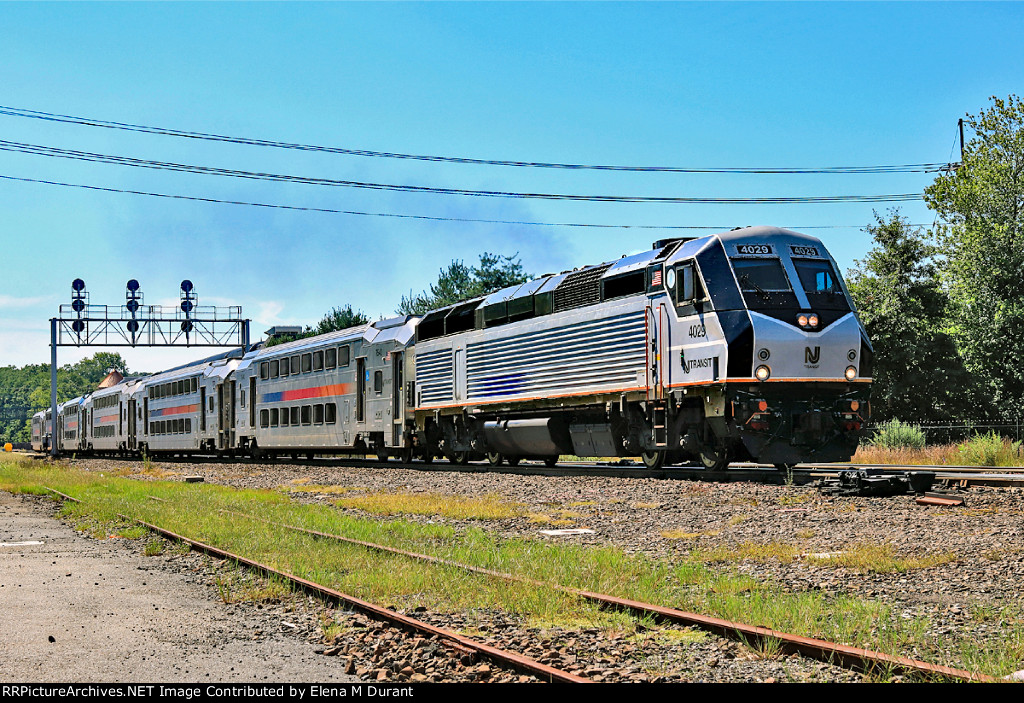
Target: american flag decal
(656,279)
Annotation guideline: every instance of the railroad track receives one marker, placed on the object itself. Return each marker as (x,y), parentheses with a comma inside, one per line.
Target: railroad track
(459,642)
(844,655)
(800,475)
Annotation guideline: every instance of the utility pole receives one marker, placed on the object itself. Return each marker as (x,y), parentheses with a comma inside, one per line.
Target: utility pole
(961,123)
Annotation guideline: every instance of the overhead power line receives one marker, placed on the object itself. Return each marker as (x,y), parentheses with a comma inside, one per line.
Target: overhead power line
(40,150)
(167,131)
(401,215)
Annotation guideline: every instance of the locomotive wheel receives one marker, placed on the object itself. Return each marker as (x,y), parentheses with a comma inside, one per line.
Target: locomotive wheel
(382,455)
(428,457)
(653,460)
(513,460)
(406,454)
(495,458)
(550,460)
(460,458)
(714,458)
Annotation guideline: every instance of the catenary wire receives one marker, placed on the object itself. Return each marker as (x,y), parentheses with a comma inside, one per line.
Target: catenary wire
(40,150)
(166,131)
(400,215)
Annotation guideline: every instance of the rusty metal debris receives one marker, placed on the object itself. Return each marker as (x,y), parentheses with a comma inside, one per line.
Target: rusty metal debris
(942,499)
(877,482)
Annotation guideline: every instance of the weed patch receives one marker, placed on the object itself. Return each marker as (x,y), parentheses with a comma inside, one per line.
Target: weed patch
(455,507)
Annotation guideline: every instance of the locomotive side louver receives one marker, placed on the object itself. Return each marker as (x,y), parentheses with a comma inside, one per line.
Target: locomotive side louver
(580,288)
(435,376)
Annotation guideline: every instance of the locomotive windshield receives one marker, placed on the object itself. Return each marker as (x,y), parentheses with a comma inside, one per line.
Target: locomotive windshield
(761,276)
(764,283)
(820,282)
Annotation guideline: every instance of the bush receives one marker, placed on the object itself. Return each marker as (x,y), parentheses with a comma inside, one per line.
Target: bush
(988,449)
(898,435)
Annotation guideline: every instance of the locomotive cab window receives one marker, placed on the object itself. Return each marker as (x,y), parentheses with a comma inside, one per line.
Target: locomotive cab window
(819,280)
(764,283)
(760,275)
(686,288)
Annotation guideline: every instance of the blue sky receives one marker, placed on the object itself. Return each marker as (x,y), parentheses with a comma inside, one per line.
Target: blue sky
(678,84)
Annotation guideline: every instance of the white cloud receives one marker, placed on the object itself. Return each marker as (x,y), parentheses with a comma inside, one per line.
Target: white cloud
(10,301)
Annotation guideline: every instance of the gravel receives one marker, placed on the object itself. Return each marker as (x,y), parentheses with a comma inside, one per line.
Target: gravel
(980,545)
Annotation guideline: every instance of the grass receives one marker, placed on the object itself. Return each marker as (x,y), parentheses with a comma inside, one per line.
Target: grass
(683,534)
(455,507)
(861,558)
(702,581)
(980,450)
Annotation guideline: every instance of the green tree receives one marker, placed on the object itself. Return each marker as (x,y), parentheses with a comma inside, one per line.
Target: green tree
(25,391)
(95,368)
(982,203)
(339,318)
(918,374)
(460,282)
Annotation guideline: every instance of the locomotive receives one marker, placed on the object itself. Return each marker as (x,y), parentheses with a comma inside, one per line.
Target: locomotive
(737,346)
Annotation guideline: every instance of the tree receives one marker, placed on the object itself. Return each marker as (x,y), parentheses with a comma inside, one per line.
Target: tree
(460,282)
(95,368)
(982,203)
(918,374)
(339,318)
(25,391)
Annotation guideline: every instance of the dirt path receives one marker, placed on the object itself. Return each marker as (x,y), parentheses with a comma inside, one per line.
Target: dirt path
(76,609)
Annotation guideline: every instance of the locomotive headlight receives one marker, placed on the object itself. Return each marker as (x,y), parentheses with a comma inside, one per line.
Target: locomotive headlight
(801,320)
(762,373)
(851,373)
(812,320)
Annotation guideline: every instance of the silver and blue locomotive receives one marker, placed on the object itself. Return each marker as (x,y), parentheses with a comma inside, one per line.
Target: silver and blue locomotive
(736,346)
